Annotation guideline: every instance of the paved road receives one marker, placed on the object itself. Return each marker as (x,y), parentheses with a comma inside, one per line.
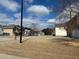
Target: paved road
(5,56)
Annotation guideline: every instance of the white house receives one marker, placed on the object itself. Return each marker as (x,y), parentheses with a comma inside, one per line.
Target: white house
(8,30)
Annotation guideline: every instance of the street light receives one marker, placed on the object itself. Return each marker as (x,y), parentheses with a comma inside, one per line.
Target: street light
(21,21)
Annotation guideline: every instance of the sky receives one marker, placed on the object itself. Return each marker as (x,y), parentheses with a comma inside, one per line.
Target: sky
(37,14)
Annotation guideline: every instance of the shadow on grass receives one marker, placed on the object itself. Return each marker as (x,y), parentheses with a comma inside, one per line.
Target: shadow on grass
(65,41)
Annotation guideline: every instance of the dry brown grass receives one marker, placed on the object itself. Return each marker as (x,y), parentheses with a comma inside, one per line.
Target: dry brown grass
(44,47)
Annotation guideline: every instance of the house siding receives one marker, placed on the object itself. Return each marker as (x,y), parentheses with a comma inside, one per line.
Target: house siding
(60,31)
(10,31)
(73,27)
(75,33)
(1,31)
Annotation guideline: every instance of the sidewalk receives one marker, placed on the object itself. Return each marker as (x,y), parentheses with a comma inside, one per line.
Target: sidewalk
(5,56)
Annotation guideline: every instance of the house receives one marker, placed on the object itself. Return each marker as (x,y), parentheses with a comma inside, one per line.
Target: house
(1,30)
(8,30)
(34,32)
(40,33)
(27,31)
(31,32)
(73,27)
(60,30)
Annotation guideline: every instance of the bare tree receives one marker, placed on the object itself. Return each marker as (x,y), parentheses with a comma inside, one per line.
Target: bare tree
(69,11)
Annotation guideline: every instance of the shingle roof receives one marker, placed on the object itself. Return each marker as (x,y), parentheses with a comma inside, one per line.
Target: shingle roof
(60,25)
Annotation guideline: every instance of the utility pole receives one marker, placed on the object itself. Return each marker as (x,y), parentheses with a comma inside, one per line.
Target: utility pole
(21,21)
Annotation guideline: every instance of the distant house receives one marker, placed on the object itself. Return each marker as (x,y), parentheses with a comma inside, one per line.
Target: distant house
(31,32)
(60,30)
(27,31)
(1,30)
(40,33)
(73,27)
(8,30)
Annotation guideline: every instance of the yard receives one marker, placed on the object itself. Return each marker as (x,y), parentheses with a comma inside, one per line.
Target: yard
(41,47)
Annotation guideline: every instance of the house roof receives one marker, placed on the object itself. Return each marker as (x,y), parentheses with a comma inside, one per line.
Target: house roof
(60,25)
(10,26)
(27,28)
(74,18)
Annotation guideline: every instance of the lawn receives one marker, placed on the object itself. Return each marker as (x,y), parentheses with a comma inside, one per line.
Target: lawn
(42,47)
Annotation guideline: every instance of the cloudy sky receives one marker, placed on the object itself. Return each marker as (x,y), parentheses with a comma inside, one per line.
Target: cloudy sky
(40,13)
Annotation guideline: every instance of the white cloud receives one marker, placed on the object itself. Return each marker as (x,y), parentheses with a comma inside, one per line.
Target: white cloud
(4,19)
(53,21)
(18,15)
(9,4)
(38,10)
(26,21)
(38,24)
